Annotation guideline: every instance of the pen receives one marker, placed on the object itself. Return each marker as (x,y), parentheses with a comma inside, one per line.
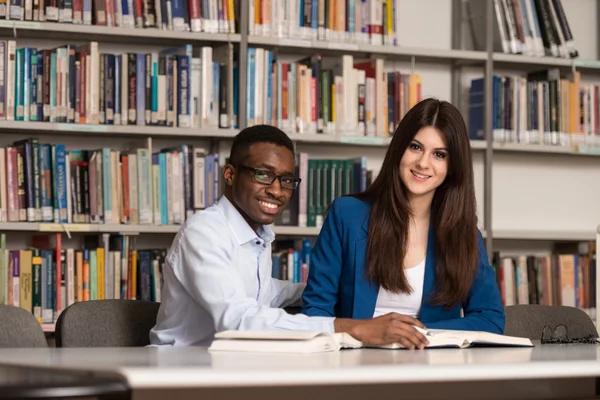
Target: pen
(423,331)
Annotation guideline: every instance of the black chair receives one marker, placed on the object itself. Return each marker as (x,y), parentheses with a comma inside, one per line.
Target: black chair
(19,328)
(106,323)
(26,382)
(531,321)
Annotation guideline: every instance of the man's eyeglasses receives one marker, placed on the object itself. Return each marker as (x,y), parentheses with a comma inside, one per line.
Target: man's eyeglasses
(266,177)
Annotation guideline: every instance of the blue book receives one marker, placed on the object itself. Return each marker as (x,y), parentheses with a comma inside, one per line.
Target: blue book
(141,88)
(162,164)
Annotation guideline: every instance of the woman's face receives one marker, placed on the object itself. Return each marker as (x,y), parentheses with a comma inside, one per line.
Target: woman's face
(424,165)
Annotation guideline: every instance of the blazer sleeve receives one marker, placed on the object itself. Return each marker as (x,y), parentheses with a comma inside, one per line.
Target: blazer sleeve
(483,310)
(321,293)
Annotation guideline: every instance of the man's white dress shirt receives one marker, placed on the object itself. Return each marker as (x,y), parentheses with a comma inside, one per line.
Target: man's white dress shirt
(217,276)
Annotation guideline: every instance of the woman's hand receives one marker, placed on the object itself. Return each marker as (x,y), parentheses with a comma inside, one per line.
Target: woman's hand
(385,329)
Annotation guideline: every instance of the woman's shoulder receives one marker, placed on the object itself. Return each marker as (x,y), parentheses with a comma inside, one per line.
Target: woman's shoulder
(350,206)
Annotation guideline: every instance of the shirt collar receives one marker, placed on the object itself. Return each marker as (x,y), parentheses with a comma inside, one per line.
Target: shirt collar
(241,229)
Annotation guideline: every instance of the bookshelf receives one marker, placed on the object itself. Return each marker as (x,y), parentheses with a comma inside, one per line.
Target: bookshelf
(536,174)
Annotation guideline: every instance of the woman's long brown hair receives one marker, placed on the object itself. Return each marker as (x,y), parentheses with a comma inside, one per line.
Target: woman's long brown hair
(453,210)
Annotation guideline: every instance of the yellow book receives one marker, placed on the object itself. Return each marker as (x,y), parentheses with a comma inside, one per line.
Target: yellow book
(134,263)
(25,280)
(100,269)
(390,22)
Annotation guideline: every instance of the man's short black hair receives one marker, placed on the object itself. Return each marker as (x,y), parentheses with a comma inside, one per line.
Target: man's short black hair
(257,134)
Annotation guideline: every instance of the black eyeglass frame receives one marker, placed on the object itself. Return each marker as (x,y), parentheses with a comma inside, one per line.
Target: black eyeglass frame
(272,176)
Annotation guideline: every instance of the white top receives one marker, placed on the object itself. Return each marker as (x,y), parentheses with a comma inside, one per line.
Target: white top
(146,368)
(406,304)
(217,277)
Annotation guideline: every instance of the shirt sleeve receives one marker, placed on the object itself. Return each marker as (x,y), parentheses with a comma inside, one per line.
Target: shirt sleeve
(206,272)
(285,293)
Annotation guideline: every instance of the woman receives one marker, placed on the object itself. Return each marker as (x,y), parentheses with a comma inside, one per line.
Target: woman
(409,244)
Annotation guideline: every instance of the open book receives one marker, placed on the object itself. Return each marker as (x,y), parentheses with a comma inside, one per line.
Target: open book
(315,342)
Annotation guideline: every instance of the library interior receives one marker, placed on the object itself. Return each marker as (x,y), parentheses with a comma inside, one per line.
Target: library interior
(117,119)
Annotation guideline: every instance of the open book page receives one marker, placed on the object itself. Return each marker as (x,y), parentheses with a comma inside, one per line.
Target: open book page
(315,342)
(465,339)
(282,341)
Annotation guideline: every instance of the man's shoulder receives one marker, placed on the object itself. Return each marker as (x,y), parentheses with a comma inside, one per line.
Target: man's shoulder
(209,222)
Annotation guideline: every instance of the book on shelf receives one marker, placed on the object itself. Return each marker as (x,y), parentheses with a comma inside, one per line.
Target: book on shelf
(566,278)
(338,21)
(545,107)
(84,85)
(142,186)
(47,277)
(211,16)
(328,95)
(316,342)
(535,28)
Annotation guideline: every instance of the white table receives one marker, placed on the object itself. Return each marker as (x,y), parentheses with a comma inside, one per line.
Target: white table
(540,372)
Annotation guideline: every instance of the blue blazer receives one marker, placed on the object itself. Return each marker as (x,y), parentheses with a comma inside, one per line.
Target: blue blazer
(337,285)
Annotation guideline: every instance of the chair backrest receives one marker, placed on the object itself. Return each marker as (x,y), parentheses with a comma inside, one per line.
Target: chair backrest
(19,328)
(106,323)
(529,321)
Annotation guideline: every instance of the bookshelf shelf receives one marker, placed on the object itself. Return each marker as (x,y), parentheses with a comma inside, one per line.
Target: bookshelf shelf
(32,29)
(478,144)
(87,228)
(295,231)
(518,59)
(279,230)
(539,148)
(544,235)
(50,128)
(381,51)
(514,60)
(128,229)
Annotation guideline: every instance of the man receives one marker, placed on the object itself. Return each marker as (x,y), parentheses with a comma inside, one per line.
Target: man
(217,275)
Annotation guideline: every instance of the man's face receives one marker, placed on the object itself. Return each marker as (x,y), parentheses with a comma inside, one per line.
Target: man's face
(260,203)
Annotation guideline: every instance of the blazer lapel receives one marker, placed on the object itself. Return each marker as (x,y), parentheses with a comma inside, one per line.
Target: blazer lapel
(365,292)
(429,278)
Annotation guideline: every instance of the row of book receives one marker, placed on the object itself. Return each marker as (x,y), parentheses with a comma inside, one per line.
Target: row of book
(180,86)
(213,16)
(314,95)
(45,183)
(545,107)
(535,28)
(45,278)
(562,278)
(343,21)
(290,263)
(322,181)
(42,182)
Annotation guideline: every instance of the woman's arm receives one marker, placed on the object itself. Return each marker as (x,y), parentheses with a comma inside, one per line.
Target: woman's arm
(321,293)
(483,310)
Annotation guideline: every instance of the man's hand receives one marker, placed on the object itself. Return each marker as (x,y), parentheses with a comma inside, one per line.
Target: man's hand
(385,329)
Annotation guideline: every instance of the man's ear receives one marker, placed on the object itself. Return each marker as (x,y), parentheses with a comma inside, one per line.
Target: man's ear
(228,174)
